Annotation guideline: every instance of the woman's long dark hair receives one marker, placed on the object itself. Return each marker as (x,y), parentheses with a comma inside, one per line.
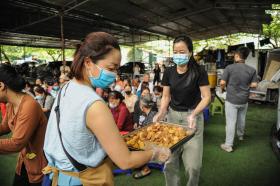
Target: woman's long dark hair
(192,65)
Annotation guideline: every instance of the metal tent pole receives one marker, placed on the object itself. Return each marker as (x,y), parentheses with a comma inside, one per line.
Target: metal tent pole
(169,49)
(50,17)
(133,41)
(1,54)
(257,56)
(62,41)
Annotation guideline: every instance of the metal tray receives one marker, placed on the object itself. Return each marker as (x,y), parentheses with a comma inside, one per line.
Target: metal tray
(172,148)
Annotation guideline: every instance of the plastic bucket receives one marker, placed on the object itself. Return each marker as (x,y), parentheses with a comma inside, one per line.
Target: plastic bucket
(212,78)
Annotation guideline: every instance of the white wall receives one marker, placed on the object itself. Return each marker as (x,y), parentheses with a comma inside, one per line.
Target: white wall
(252,61)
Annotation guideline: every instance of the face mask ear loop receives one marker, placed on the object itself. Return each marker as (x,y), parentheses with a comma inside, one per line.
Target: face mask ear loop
(90,74)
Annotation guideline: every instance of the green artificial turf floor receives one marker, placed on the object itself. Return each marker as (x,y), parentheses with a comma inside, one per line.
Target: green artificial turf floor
(251,164)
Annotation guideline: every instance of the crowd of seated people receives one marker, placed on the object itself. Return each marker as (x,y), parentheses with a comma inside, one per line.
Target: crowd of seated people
(123,98)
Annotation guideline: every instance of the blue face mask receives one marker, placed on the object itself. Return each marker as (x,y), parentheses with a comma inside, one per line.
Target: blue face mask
(55,88)
(181,59)
(39,97)
(104,80)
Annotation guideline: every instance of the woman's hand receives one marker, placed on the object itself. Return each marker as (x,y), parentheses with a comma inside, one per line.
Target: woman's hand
(192,121)
(160,154)
(163,105)
(159,116)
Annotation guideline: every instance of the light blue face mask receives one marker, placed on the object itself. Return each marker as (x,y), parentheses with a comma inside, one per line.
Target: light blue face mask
(104,80)
(39,97)
(55,88)
(181,59)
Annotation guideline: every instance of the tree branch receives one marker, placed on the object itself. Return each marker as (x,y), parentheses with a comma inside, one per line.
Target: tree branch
(6,57)
(58,57)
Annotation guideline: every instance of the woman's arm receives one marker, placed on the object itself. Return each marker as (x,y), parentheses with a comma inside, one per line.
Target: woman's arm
(206,98)
(100,121)
(25,125)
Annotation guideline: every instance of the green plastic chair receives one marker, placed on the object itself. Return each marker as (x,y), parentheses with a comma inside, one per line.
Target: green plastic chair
(217,107)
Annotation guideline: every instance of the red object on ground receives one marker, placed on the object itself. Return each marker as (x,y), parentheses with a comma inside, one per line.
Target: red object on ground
(3,109)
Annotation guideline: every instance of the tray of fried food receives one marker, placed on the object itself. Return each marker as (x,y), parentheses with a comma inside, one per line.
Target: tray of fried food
(161,134)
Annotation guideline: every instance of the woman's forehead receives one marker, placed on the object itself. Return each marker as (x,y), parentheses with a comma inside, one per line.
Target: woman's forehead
(180,46)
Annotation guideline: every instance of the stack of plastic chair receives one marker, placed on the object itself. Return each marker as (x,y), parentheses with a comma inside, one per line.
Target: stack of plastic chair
(217,107)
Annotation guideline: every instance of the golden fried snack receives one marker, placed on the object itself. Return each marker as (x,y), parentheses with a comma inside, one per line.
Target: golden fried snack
(143,135)
(149,129)
(176,139)
(160,134)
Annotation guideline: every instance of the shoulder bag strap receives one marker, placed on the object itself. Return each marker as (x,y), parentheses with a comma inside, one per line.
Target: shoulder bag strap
(76,164)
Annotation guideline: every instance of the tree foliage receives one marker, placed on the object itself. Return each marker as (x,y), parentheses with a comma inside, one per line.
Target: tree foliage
(12,53)
(272,30)
(135,54)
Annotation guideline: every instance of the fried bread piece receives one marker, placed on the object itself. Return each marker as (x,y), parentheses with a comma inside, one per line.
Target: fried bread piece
(160,134)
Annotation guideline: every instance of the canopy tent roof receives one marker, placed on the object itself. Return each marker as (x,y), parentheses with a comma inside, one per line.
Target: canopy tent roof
(37,22)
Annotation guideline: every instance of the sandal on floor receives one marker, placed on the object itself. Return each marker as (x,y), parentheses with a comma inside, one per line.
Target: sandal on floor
(141,174)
